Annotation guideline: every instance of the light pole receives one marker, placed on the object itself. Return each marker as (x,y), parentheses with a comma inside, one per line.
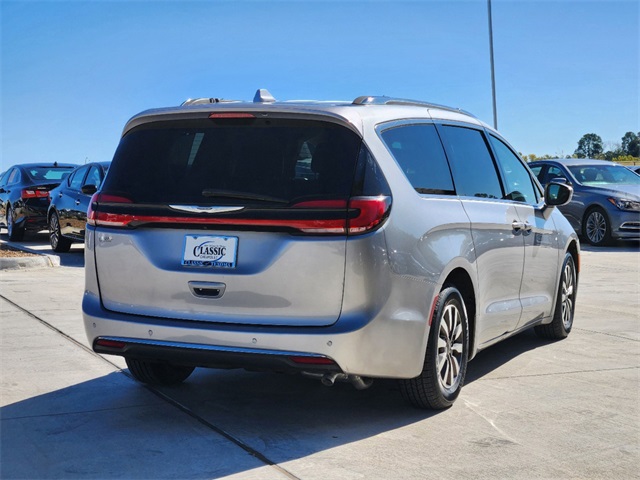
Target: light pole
(493,74)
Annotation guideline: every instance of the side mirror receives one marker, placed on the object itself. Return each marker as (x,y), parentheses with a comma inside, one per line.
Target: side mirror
(89,189)
(557,194)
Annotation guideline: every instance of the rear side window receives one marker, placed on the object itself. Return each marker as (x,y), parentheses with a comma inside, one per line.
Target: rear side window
(14,177)
(217,162)
(473,168)
(555,172)
(517,179)
(78,176)
(418,151)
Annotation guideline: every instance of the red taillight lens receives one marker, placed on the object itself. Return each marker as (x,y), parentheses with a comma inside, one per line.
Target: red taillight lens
(321,204)
(33,193)
(372,212)
(110,343)
(367,214)
(312,360)
(231,115)
(109,219)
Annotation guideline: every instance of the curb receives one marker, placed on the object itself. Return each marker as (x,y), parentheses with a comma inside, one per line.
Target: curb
(42,260)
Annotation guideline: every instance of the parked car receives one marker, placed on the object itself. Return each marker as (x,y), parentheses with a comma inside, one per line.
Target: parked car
(24,195)
(67,213)
(606,199)
(379,238)
(634,168)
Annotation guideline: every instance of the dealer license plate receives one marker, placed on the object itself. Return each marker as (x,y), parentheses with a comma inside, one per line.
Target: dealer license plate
(210,251)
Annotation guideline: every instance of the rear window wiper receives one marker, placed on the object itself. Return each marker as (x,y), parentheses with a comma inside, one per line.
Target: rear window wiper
(210,192)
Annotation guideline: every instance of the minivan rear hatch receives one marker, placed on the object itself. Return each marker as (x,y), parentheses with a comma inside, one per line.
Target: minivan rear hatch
(232,218)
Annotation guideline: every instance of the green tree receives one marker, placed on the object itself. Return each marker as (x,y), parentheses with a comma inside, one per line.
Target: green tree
(589,146)
(631,144)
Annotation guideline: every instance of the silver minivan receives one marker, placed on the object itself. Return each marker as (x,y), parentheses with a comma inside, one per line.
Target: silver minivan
(348,241)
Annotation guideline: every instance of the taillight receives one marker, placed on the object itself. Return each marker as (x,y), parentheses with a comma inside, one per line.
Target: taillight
(94,217)
(34,193)
(325,217)
(372,212)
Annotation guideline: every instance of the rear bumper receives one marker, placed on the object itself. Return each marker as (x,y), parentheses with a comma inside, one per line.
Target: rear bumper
(383,346)
(33,219)
(213,356)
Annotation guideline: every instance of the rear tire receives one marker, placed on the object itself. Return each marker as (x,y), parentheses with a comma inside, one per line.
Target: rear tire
(15,232)
(156,373)
(562,322)
(58,242)
(445,363)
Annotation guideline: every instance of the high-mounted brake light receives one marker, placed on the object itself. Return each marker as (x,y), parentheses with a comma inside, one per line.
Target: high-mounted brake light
(231,115)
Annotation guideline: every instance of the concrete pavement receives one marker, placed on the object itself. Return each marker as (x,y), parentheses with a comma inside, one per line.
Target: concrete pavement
(530,409)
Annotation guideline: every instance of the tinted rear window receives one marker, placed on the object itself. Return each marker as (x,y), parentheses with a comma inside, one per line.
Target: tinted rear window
(473,168)
(207,162)
(48,173)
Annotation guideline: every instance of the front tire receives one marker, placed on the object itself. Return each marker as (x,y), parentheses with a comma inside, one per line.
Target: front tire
(156,373)
(57,241)
(596,227)
(562,322)
(445,364)
(15,232)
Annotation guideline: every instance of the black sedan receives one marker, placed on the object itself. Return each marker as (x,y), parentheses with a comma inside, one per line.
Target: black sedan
(24,195)
(67,214)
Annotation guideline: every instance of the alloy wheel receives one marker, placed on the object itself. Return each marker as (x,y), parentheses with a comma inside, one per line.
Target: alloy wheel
(568,287)
(450,348)
(54,230)
(10,223)
(596,227)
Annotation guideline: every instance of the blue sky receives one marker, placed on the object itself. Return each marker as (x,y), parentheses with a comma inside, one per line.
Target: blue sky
(73,72)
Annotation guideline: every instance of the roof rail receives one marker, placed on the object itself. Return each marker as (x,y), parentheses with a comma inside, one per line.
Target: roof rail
(382,100)
(200,101)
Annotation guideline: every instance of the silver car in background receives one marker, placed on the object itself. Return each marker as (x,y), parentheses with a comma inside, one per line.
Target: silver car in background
(378,238)
(606,197)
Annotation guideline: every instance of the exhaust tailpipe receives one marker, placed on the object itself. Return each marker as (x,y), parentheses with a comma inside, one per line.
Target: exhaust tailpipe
(360,383)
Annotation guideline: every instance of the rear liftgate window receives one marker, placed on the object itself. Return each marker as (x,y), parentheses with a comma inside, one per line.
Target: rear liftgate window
(297,175)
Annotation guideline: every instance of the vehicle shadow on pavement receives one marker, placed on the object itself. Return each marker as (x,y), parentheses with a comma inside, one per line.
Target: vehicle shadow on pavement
(174,432)
(39,243)
(618,246)
(501,353)
(79,431)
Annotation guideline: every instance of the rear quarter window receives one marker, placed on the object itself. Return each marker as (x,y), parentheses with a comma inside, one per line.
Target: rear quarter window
(418,151)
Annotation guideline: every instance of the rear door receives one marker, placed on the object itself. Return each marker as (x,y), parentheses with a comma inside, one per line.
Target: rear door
(495,228)
(231,219)
(68,202)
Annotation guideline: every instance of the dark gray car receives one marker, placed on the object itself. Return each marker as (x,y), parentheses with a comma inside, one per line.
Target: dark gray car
(606,198)
(373,238)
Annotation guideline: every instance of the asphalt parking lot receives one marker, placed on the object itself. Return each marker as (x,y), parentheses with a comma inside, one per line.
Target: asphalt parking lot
(530,409)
